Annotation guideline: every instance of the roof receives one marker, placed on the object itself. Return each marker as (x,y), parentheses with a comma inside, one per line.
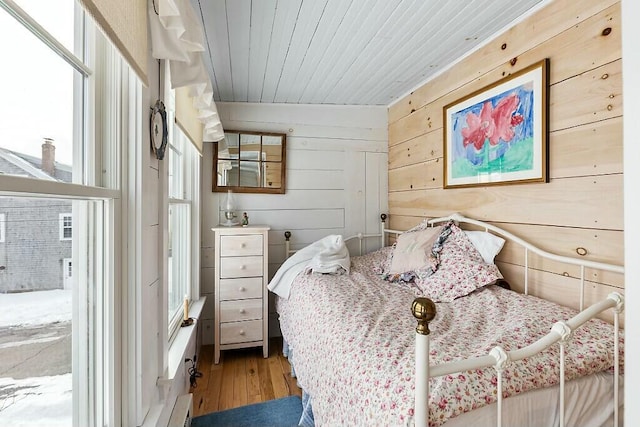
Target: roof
(19,164)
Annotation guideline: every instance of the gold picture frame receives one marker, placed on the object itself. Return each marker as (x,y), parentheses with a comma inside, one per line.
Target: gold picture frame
(499,134)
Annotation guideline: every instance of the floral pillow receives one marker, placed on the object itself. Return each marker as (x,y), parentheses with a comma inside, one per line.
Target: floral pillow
(462,270)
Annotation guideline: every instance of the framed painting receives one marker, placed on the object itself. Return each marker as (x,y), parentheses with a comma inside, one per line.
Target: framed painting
(499,134)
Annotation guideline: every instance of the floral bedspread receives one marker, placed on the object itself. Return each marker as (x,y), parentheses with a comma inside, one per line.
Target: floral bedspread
(352,339)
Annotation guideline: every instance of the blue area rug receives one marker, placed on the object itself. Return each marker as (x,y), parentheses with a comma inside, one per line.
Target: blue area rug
(284,412)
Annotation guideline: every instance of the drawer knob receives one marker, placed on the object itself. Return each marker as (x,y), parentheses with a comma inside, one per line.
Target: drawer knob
(242,289)
(242,311)
(243,245)
(242,267)
(241,332)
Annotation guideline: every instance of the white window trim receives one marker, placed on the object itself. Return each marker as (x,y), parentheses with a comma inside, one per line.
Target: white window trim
(67,266)
(103,393)
(174,347)
(41,33)
(2,228)
(62,219)
(176,319)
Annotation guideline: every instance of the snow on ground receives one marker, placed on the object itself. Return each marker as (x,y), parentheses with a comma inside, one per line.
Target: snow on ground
(35,308)
(39,401)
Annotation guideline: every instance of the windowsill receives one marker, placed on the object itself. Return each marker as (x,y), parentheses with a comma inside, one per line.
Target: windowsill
(181,342)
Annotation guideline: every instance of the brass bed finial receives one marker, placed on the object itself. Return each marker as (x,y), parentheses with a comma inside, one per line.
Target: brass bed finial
(424,310)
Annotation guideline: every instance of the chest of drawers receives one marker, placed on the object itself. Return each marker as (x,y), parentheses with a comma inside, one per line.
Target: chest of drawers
(241,296)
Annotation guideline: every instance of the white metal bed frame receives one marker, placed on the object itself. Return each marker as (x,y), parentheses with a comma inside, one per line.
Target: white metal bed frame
(424,310)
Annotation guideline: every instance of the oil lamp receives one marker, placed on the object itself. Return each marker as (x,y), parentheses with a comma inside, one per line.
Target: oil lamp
(228,210)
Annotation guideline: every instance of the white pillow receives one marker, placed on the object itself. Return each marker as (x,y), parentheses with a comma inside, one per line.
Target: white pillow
(489,245)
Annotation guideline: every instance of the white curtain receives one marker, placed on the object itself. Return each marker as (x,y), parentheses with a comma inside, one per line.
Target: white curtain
(177,36)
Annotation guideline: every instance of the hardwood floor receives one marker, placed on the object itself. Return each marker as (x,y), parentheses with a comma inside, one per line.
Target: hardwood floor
(242,377)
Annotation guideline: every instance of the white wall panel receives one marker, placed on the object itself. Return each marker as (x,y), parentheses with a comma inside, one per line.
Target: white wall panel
(208,309)
(355,184)
(301,219)
(150,197)
(150,346)
(206,280)
(329,116)
(150,266)
(311,179)
(336,173)
(367,123)
(207,254)
(337,133)
(337,144)
(292,199)
(206,337)
(315,159)
(376,184)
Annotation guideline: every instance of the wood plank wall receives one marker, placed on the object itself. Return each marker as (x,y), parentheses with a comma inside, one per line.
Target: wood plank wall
(582,204)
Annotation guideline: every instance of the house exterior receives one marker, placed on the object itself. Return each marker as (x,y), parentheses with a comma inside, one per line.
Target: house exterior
(35,234)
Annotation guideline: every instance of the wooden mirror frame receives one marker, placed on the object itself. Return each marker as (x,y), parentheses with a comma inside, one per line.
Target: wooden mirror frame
(249,189)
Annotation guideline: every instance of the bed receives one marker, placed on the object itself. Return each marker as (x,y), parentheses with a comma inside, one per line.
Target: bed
(495,356)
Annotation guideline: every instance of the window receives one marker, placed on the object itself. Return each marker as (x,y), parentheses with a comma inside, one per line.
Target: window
(59,171)
(184,174)
(37,142)
(65,226)
(183,217)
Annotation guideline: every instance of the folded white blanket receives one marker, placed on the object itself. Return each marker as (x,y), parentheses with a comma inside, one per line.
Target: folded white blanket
(327,255)
(332,258)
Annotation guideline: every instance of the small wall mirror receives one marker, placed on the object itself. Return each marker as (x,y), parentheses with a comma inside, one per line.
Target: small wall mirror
(250,162)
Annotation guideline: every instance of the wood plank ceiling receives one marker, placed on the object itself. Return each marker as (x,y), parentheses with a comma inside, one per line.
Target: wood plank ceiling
(353,52)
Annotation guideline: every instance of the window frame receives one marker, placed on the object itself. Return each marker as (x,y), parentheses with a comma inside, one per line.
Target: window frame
(189,180)
(190,195)
(63,219)
(100,372)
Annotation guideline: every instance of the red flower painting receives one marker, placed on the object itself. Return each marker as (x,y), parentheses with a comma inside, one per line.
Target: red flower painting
(493,124)
(498,134)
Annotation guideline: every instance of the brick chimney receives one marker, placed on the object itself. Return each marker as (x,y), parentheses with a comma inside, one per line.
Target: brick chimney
(49,157)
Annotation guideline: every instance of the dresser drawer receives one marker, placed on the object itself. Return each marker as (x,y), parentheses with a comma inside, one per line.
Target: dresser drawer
(244,266)
(242,309)
(241,274)
(236,332)
(250,287)
(241,245)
